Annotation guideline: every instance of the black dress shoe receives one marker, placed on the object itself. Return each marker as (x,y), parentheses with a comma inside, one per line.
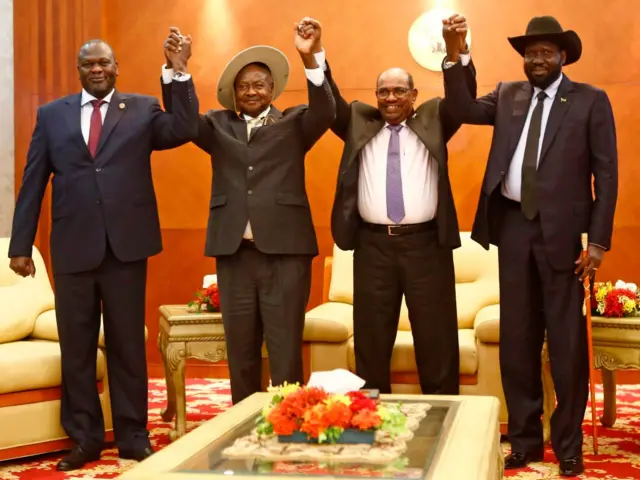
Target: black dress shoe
(77,458)
(138,454)
(522,459)
(572,466)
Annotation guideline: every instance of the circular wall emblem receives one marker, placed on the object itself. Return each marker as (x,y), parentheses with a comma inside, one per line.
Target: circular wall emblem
(425,38)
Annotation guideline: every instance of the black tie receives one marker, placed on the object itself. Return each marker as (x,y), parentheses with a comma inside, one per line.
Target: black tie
(528,196)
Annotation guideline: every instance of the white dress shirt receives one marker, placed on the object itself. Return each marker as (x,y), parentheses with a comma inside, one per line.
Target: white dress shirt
(419,179)
(86,109)
(512,184)
(419,173)
(314,75)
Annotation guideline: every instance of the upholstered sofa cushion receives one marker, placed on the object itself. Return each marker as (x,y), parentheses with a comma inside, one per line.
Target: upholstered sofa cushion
(487,324)
(34,364)
(21,299)
(330,322)
(403,358)
(476,271)
(46,328)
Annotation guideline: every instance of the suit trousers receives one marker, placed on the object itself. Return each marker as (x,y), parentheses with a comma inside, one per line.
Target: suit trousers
(263,297)
(117,290)
(533,298)
(414,264)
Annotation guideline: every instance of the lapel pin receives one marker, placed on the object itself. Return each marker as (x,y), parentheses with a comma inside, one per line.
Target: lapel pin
(121,106)
(563,100)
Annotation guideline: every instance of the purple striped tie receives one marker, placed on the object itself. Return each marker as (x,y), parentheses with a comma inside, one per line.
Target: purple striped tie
(395,200)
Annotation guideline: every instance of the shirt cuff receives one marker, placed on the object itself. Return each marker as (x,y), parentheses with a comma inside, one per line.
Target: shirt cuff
(168,75)
(321,58)
(315,76)
(465,58)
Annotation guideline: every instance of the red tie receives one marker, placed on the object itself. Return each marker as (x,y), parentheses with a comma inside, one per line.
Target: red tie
(95,127)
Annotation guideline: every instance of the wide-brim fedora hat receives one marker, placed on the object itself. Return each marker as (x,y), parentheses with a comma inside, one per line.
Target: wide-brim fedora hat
(273,58)
(549,29)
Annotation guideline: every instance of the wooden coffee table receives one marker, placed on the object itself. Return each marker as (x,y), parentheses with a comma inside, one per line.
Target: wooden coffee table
(459,439)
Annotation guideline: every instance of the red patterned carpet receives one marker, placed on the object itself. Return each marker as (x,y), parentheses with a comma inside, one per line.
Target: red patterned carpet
(619,457)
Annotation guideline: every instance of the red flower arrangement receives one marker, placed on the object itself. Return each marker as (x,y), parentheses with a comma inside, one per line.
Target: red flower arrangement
(323,416)
(209,297)
(619,300)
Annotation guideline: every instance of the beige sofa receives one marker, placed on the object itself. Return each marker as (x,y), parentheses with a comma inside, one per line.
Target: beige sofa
(30,365)
(328,333)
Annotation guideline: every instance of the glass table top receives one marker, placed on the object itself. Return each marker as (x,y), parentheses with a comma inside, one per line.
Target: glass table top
(413,463)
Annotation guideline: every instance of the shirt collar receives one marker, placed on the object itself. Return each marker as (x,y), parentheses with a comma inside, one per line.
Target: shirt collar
(551,90)
(87,97)
(403,123)
(246,117)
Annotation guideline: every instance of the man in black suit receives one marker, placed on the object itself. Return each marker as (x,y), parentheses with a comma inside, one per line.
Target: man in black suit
(104,227)
(552,138)
(394,208)
(260,227)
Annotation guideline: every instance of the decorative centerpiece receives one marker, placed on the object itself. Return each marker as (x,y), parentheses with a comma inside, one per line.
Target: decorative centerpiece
(207,297)
(615,300)
(303,414)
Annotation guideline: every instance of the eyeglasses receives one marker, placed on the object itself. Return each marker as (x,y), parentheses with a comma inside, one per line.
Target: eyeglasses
(398,92)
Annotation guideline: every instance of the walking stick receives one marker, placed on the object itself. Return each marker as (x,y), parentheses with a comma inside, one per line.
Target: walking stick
(586,311)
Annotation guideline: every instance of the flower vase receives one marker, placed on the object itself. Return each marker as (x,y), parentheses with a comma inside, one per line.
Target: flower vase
(348,436)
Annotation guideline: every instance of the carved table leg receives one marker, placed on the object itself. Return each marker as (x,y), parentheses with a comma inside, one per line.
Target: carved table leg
(608,418)
(169,412)
(175,362)
(549,395)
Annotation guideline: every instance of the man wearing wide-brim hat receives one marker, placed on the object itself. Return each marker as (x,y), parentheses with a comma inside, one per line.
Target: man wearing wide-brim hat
(552,138)
(260,228)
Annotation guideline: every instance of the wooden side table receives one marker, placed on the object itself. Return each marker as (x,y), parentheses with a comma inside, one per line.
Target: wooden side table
(616,346)
(184,334)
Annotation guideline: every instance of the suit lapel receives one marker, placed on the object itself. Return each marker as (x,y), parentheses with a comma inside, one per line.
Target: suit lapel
(117,109)
(272,118)
(371,128)
(521,104)
(559,109)
(74,119)
(239,127)
(427,136)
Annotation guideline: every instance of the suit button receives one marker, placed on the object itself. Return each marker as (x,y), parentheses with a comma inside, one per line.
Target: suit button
(249,192)
(502,174)
(98,170)
(250,168)
(98,201)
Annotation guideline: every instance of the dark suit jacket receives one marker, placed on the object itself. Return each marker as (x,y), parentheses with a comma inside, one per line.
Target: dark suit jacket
(263,179)
(111,195)
(357,123)
(579,144)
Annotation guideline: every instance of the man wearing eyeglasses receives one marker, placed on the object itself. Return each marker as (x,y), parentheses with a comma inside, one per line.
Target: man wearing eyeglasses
(394,208)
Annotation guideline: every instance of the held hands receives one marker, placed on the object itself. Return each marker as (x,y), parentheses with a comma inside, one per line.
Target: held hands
(454,32)
(23,266)
(177,50)
(587,266)
(307,36)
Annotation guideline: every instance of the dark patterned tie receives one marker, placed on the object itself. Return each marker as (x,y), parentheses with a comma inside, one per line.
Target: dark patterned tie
(95,128)
(395,200)
(528,194)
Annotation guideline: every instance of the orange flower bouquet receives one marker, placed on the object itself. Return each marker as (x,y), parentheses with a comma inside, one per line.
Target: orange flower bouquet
(311,415)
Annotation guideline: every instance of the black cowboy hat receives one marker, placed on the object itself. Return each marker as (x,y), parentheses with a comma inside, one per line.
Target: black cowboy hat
(549,29)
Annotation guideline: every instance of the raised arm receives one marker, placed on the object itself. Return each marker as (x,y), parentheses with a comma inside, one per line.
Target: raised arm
(27,210)
(320,114)
(459,80)
(179,98)
(340,124)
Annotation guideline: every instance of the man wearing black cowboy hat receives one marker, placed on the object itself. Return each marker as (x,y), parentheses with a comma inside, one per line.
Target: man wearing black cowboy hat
(552,137)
